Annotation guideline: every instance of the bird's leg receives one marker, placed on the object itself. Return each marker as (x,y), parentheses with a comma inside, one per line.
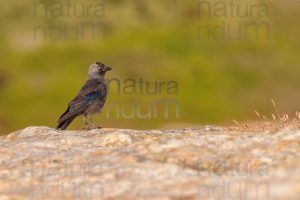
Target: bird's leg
(94,126)
(85,122)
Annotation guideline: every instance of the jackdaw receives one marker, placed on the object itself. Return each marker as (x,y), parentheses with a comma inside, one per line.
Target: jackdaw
(89,100)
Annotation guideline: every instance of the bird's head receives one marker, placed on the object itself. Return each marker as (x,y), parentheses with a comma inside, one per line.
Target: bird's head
(98,69)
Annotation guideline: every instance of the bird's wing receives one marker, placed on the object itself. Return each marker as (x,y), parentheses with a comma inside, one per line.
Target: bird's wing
(91,85)
(91,91)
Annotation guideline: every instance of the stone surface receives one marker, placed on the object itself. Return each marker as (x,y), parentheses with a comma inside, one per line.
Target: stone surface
(194,163)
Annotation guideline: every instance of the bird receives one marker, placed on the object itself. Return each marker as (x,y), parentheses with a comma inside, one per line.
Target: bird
(89,100)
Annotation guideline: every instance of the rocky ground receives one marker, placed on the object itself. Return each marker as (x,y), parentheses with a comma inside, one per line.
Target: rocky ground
(194,163)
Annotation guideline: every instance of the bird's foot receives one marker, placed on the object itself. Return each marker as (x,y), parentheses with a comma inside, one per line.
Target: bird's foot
(96,127)
(86,128)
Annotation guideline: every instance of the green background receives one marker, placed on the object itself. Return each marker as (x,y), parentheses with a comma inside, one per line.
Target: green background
(219,79)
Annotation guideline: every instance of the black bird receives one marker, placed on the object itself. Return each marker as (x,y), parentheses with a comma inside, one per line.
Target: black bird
(89,100)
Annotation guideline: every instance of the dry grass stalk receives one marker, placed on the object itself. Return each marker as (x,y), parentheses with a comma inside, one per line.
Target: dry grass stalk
(236,122)
(257,113)
(297,115)
(275,107)
(279,121)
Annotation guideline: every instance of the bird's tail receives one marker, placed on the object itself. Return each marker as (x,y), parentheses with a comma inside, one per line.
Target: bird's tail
(63,123)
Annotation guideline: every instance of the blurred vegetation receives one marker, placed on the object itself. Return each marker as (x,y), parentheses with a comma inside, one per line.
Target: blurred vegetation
(218,79)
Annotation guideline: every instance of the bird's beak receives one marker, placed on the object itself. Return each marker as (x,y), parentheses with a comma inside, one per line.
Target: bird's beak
(107,68)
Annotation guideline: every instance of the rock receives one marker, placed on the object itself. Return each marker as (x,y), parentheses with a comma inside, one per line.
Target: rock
(207,162)
(115,139)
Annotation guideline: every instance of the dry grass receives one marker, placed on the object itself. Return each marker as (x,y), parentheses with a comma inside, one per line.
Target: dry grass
(276,122)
